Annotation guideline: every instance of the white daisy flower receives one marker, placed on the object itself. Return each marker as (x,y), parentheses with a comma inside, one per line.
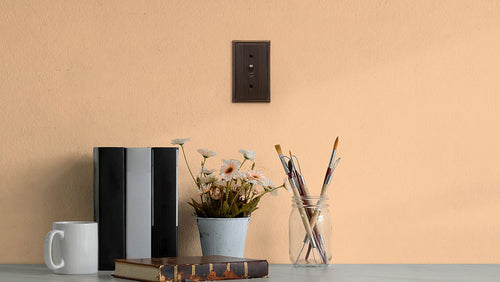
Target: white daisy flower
(215,194)
(238,189)
(206,153)
(206,189)
(229,169)
(240,176)
(221,183)
(242,193)
(208,179)
(179,141)
(267,184)
(207,171)
(249,155)
(254,176)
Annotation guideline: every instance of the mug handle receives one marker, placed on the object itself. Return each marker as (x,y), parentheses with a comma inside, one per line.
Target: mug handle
(48,249)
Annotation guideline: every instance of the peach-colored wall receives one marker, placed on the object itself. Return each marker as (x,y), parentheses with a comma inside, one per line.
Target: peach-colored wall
(411,87)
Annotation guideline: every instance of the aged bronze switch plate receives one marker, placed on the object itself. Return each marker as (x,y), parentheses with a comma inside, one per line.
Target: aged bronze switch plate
(251,75)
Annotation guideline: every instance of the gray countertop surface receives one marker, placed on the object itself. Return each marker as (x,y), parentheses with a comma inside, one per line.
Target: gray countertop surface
(283,272)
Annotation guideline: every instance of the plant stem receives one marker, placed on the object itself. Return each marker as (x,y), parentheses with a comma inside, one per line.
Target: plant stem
(227,189)
(236,196)
(202,166)
(183,153)
(231,181)
(271,190)
(247,195)
(244,160)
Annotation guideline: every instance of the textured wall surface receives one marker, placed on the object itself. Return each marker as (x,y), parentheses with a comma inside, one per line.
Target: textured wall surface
(411,88)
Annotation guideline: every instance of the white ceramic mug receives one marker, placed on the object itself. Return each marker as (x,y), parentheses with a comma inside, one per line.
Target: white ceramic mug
(71,247)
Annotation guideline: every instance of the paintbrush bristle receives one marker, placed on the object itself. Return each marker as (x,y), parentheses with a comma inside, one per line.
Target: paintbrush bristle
(290,151)
(278,149)
(336,143)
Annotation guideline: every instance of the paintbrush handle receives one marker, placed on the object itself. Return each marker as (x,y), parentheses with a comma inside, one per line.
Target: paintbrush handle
(303,215)
(324,188)
(316,213)
(327,175)
(302,191)
(316,232)
(314,218)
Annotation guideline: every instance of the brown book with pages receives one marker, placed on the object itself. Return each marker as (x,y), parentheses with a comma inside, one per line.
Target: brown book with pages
(190,268)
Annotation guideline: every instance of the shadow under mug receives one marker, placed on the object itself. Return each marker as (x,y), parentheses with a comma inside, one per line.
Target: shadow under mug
(71,247)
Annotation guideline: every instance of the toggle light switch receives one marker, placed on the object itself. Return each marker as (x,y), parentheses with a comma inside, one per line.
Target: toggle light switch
(251,71)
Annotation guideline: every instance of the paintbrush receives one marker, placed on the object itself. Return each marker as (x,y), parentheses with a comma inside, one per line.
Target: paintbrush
(315,216)
(293,184)
(304,214)
(300,178)
(326,182)
(282,158)
(302,211)
(322,196)
(302,189)
(328,174)
(328,178)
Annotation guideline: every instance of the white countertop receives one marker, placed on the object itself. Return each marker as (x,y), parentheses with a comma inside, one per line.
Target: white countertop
(283,272)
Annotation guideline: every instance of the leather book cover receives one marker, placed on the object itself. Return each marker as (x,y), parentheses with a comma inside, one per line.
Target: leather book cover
(197,268)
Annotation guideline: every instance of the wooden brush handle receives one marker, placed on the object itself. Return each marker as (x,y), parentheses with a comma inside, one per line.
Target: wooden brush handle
(303,214)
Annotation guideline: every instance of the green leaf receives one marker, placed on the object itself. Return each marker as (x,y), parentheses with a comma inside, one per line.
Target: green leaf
(225,208)
(198,208)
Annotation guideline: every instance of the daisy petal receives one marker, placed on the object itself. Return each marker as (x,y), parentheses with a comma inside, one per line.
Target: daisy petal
(179,141)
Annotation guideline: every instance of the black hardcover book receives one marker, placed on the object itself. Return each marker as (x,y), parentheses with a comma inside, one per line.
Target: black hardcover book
(165,218)
(109,204)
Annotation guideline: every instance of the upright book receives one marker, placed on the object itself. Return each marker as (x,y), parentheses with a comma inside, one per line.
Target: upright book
(165,203)
(109,204)
(135,202)
(190,268)
(138,203)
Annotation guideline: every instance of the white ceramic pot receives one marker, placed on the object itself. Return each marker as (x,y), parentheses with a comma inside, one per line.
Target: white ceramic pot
(223,236)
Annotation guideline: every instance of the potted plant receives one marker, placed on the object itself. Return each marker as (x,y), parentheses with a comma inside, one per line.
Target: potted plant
(226,199)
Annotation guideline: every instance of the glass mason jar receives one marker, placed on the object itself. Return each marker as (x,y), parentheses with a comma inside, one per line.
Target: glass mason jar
(310,230)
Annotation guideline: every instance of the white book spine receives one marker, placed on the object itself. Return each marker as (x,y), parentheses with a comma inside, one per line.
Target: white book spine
(138,199)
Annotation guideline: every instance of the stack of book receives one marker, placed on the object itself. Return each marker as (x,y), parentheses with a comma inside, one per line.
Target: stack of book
(135,203)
